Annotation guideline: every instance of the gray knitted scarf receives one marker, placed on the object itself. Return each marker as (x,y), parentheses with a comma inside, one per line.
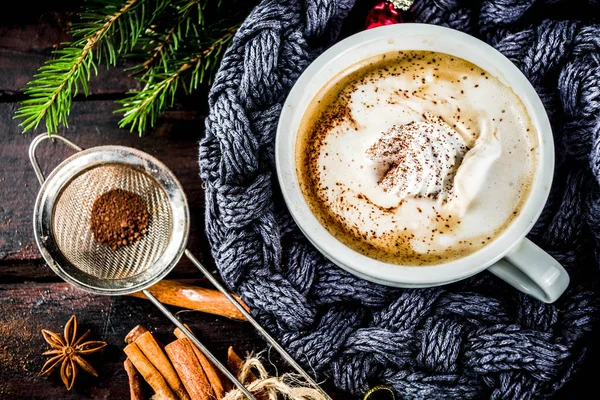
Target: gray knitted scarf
(473,339)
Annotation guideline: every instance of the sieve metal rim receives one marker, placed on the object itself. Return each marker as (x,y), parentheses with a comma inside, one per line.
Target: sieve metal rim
(85,160)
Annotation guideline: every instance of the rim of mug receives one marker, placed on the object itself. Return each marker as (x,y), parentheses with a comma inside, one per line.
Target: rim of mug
(410,36)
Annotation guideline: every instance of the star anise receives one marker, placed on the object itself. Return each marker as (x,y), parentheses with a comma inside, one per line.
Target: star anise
(67,353)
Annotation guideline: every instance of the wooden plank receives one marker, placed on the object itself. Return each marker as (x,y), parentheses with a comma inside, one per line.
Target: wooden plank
(26,271)
(26,309)
(22,12)
(40,32)
(174,142)
(24,47)
(18,67)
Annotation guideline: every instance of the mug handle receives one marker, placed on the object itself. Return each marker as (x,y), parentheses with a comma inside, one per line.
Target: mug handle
(532,271)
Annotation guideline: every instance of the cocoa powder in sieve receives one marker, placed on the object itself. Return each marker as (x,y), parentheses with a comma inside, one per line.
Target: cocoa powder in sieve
(119,218)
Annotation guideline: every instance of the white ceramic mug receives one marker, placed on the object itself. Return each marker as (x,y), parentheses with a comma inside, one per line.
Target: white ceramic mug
(511,256)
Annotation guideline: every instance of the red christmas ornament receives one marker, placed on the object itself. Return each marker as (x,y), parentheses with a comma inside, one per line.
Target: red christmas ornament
(383,13)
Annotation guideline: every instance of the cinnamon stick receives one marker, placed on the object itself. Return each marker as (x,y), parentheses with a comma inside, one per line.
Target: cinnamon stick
(214,376)
(133,334)
(195,298)
(135,386)
(235,363)
(149,346)
(189,369)
(149,372)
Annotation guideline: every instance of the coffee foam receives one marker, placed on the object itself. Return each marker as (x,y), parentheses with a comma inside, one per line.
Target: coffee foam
(342,179)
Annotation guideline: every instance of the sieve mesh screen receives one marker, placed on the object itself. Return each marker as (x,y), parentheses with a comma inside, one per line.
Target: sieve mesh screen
(71,222)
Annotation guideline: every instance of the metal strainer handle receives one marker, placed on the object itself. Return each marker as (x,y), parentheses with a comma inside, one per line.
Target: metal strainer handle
(33,146)
(256,325)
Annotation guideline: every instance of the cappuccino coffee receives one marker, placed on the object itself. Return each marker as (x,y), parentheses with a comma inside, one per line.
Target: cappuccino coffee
(415,157)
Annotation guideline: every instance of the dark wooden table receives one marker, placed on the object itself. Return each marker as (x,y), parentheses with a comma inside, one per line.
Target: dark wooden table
(31,296)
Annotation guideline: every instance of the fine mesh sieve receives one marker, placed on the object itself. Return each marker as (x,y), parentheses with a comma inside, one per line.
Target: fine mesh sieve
(62,215)
(62,232)
(70,223)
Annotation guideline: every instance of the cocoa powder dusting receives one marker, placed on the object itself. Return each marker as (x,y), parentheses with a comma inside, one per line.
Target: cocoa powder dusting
(119,218)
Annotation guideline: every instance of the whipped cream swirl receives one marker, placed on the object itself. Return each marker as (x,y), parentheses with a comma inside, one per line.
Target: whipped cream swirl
(423,158)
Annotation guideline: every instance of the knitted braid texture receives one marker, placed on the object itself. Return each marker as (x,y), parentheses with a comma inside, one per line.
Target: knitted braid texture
(477,338)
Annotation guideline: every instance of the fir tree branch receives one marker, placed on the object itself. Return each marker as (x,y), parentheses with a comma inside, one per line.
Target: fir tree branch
(52,90)
(142,108)
(173,45)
